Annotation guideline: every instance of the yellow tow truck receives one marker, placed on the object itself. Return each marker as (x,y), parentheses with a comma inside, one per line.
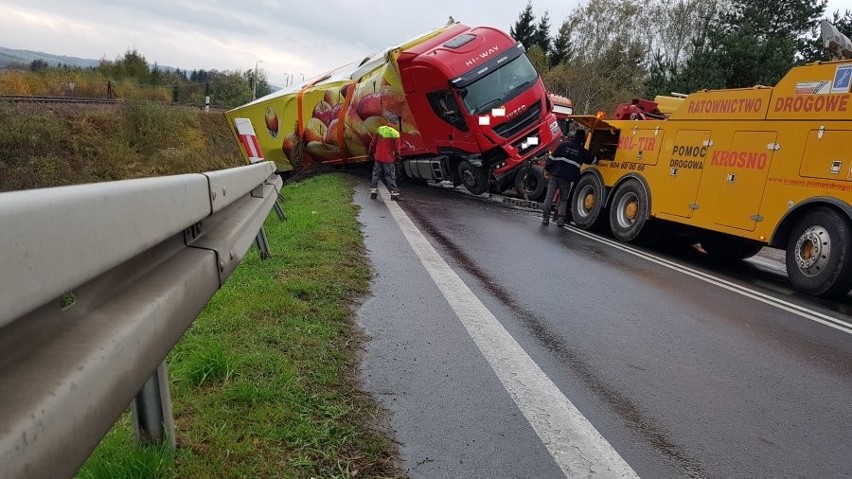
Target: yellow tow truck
(735,170)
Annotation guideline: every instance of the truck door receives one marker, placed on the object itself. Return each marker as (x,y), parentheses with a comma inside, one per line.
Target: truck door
(827,155)
(452,130)
(746,165)
(679,185)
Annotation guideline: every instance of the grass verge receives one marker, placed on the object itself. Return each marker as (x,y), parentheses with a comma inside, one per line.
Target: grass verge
(264,382)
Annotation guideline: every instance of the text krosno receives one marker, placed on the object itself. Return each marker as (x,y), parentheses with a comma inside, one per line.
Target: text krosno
(731,159)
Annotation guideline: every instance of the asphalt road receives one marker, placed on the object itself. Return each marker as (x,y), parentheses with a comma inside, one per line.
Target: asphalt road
(686,369)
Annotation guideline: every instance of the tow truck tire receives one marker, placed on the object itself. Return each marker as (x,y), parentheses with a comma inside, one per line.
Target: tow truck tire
(473,178)
(729,248)
(628,211)
(530,183)
(587,203)
(819,254)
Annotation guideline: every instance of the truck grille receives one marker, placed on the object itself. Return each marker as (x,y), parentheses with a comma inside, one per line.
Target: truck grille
(516,125)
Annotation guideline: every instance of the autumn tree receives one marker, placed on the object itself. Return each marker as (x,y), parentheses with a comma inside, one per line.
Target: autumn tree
(605,56)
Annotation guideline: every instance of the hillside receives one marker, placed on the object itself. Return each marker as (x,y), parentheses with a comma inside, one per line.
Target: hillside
(53,145)
(9,56)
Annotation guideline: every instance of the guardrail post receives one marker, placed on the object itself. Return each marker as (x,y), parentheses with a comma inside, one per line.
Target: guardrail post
(279,211)
(152,410)
(262,243)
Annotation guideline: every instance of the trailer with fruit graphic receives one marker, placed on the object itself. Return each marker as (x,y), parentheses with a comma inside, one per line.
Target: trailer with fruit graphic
(468,104)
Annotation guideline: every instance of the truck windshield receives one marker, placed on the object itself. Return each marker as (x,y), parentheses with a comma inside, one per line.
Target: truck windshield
(498,86)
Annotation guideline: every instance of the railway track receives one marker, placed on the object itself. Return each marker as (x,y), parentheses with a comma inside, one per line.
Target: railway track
(67,100)
(60,99)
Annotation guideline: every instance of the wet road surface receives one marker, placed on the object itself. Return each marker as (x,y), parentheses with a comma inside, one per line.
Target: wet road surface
(683,377)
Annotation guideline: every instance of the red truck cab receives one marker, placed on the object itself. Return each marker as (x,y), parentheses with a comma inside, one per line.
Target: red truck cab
(480,105)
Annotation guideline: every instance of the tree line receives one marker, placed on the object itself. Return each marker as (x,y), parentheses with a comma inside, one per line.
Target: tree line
(609,51)
(131,76)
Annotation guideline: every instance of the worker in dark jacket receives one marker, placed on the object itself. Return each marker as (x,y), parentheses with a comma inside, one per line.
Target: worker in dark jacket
(385,150)
(564,168)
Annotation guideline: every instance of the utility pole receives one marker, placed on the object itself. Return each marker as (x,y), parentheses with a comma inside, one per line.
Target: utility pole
(254,81)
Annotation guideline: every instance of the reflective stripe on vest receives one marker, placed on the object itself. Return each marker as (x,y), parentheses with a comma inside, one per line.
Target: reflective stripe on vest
(566,160)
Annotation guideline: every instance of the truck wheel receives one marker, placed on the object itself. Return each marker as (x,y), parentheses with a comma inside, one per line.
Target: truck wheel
(587,203)
(819,254)
(530,183)
(628,211)
(729,248)
(473,178)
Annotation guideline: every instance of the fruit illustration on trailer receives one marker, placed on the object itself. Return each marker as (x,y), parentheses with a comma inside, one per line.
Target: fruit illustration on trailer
(333,134)
(354,144)
(271,119)
(323,152)
(315,130)
(323,112)
(289,146)
(370,105)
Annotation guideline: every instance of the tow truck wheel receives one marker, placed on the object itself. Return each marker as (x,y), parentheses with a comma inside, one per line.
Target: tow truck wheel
(819,254)
(473,178)
(530,183)
(729,248)
(628,211)
(587,202)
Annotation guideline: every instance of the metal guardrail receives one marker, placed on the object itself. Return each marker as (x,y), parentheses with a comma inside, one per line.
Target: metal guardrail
(97,284)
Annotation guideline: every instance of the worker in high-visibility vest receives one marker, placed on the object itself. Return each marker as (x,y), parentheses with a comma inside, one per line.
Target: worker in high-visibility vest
(385,150)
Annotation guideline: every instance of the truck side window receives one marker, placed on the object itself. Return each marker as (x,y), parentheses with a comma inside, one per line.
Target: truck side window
(446,108)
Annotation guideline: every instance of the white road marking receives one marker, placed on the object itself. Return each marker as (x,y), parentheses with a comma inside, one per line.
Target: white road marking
(576,446)
(802,311)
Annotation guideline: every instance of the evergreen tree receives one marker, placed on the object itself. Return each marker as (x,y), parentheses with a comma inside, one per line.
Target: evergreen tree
(156,75)
(763,39)
(524,29)
(843,22)
(38,65)
(561,51)
(542,34)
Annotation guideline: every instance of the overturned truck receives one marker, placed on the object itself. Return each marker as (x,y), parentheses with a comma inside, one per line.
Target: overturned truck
(468,103)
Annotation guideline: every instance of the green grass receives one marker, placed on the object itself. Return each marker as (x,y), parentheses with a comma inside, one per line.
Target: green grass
(263,383)
(43,146)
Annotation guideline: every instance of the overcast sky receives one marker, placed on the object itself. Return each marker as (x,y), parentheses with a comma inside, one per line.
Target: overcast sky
(290,37)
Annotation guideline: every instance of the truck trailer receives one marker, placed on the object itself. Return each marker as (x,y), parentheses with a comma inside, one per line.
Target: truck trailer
(468,103)
(734,170)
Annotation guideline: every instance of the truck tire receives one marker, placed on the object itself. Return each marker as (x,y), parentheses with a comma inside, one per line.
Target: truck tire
(530,183)
(587,203)
(819,254)
(473,178)
(728,249)
(628,211)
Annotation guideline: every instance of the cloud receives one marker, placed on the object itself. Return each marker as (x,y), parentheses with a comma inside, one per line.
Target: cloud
(290,37)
